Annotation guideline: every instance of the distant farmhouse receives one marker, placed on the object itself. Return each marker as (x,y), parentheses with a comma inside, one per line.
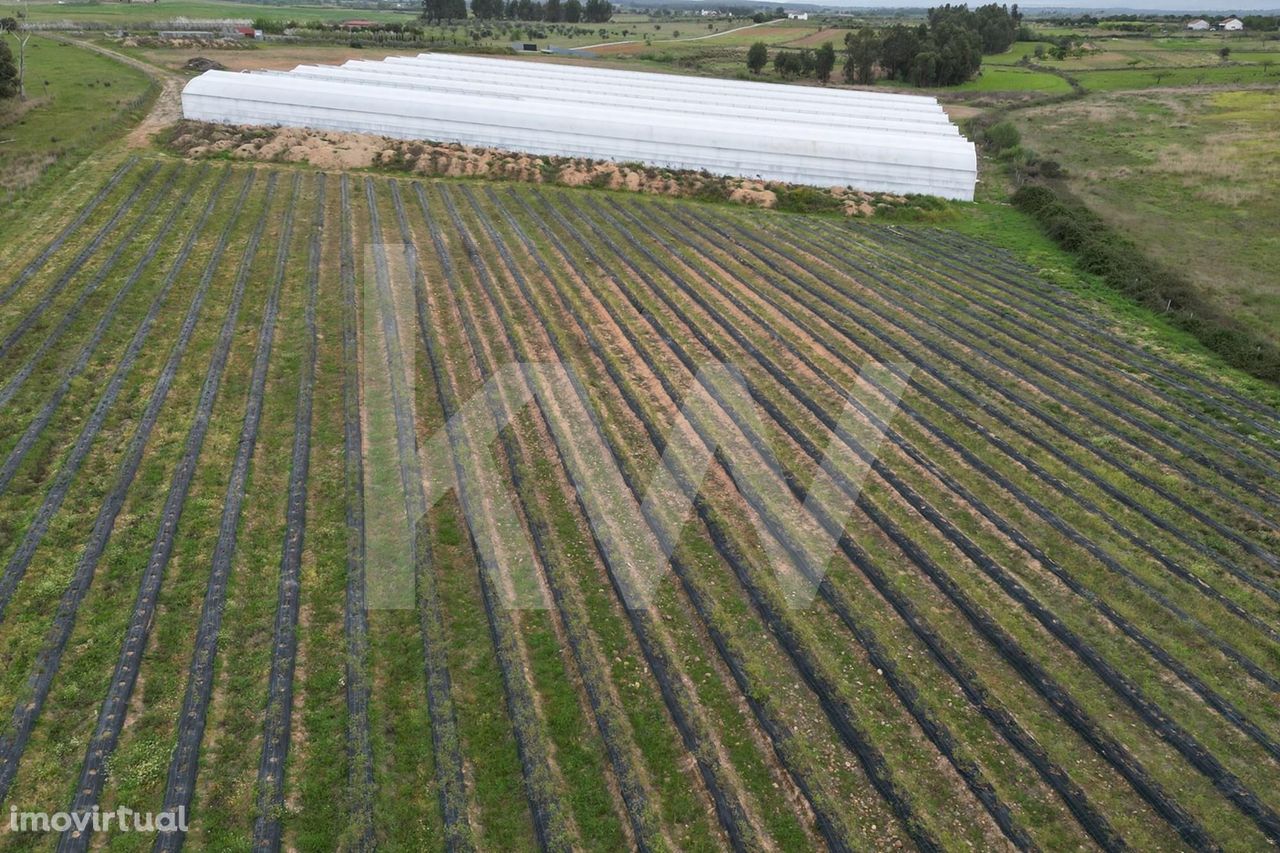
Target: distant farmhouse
(1232,23)
(1198,24)
(798,16)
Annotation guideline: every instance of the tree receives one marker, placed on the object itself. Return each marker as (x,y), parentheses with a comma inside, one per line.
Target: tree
(824,61)
(444,10)
(10,25)
(862,49)
(8,73)
(573,11)
(757,56)
(1224,53)
(898,51)
(552,12)
(597,11)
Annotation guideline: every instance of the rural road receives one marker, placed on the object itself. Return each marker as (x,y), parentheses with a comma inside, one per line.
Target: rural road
(168,106)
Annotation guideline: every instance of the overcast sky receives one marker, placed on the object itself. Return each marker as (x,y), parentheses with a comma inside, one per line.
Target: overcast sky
(1216,6)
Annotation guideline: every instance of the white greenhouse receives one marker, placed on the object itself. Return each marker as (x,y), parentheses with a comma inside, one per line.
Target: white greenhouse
(826,137)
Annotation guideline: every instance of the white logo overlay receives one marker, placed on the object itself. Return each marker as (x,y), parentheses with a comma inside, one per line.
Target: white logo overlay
(120,819)
(636,525)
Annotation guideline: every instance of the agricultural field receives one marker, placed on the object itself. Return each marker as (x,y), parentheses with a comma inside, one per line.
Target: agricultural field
(950,555)
(1189,176)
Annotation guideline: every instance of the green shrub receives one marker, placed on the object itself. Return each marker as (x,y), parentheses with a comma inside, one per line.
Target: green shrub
(1106,253)
(805,200)
(1002,135)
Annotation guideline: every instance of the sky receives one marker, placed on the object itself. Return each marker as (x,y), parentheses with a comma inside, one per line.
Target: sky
(1216,6)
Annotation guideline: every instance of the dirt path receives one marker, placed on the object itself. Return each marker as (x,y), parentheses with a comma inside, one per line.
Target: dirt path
(167,108)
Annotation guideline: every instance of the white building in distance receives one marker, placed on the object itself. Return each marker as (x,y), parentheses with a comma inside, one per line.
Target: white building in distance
(1232,23)
(871,141)
(1198,24)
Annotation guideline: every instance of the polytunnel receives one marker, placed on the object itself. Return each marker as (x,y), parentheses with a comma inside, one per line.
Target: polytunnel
(872,141)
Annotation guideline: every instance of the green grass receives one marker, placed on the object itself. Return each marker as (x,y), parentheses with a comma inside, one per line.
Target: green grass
(998,78)
(1188,177)
(1136,78)
(77,102)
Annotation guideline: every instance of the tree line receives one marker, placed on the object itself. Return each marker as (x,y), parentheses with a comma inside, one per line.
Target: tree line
(551,11)
(945,50)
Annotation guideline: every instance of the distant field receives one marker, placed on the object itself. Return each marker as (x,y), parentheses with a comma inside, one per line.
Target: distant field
(223,410)
(1193,178)
(997,78)
(123,13)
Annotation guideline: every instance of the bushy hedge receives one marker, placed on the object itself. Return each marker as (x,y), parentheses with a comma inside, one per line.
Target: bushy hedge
(1101,250)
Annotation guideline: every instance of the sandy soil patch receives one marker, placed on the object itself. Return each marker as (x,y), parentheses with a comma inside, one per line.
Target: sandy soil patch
(349,151)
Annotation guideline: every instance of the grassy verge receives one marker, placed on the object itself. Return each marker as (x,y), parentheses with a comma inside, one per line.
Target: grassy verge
(77,101)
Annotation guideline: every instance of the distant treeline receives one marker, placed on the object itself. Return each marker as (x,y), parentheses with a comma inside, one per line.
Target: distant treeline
(946,50)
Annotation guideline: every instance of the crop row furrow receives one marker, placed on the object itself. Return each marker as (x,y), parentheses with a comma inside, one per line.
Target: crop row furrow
(27,709)
(111,716)
(855,738)
(902,687)
(90,207)
(184,762)
(79,451)
(33,315)
(35,429)
(23,373)
(904,276)
(1127,764)
(445,741)
(680,703)
(279,709)
(778,732)
(355,618)
(604,710)
(1064,314)
(1087,447)
(543,780)
(1173,733)
(831,297)
(1104,376)
(1223,706)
